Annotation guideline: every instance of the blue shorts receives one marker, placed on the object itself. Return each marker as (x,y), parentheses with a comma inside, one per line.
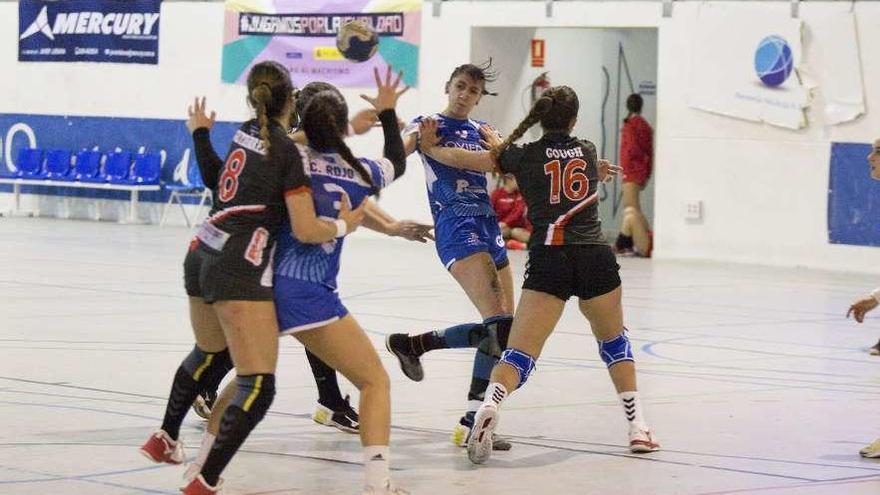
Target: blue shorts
(459,237)
(302,305)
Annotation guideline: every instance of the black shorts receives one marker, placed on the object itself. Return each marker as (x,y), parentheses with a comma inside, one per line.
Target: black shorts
(582,270)
(226,275)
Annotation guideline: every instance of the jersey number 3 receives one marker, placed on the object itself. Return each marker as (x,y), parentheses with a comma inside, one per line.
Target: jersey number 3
(228,183)
(571,181)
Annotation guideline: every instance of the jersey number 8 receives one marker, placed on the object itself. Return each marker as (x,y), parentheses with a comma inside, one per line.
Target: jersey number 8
(228,182)
(571,181)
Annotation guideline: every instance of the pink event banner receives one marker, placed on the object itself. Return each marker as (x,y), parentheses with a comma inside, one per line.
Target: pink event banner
(301,35)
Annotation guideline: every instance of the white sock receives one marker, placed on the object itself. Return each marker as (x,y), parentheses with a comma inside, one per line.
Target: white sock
(473,405)
(205,449)
(632,409)
(495,394)
(376,468)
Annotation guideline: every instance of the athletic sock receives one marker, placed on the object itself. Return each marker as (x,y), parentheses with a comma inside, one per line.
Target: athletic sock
(376,467)
(632,409)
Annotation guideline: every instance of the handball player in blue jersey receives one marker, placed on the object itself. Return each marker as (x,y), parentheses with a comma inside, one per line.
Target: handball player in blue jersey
(306,291)
(469,245)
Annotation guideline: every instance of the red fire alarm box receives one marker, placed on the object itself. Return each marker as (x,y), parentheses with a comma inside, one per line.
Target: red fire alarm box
(538,53)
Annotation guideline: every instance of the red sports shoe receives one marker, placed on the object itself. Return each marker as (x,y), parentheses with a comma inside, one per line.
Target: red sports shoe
(198,486)
(162,448)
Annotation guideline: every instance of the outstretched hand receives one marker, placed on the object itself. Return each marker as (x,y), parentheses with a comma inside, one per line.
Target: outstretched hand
(412,231)
(197,116)
(386,93)
(607,170)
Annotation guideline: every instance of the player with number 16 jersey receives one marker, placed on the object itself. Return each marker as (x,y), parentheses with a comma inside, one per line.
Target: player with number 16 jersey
(563,196)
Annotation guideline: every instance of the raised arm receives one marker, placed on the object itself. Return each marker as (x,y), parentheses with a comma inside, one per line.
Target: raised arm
(384,102)
(478,161)
(199,124)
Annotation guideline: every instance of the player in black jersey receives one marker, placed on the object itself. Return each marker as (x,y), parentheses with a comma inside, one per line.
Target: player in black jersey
(228,276)
(332,409)
(568,256)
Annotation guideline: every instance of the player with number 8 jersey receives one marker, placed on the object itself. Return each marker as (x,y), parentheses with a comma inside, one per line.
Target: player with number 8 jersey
(242,226)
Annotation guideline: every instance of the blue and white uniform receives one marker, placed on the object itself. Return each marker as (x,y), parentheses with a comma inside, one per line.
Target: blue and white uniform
(306,292)
(464,221)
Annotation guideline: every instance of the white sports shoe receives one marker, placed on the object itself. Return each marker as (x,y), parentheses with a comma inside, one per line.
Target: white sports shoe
(479,444)
(642,441)
(871,451)
(388,488)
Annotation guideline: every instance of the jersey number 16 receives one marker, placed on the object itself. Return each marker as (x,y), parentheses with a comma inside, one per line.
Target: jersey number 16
(571,180)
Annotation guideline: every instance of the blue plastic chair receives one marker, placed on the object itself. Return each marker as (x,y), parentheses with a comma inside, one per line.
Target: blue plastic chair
(147,169)
(30,164)
(58,165)
(117,167)
(195,188)
(87,166)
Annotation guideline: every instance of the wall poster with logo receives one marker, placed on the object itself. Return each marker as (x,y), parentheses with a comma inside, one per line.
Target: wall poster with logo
(744,61)
(120,31)
(301,35)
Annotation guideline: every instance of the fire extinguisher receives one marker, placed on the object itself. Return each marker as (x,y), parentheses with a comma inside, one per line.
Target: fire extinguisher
(539,85)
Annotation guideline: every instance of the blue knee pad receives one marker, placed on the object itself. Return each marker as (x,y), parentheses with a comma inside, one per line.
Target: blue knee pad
(616,350)
(522,362)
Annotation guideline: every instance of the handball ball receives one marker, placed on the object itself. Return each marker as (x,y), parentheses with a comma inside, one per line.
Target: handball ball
(357,41)
(773,61)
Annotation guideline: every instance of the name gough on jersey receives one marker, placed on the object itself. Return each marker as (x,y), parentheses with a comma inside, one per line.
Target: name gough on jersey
(125,24)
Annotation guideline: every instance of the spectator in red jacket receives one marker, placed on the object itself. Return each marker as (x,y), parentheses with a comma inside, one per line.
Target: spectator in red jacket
(510,207)
(636,158)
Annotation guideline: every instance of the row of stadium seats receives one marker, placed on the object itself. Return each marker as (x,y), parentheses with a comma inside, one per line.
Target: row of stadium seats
(89,166)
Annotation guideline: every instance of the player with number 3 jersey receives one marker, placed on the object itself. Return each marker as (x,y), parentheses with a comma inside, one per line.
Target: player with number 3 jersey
(568,256)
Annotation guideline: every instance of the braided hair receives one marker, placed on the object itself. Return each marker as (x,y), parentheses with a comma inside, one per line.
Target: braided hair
(555,110)
(269,90)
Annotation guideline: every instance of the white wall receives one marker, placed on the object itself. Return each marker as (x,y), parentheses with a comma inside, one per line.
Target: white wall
(764,189)
(574,57)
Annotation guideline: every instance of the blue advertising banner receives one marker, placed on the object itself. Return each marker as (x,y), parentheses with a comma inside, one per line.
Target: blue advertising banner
(169,138)
(120,31)
(853,197)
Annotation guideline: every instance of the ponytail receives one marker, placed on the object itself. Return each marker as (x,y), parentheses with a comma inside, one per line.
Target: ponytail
(260,95)
(539,109)
(320,121)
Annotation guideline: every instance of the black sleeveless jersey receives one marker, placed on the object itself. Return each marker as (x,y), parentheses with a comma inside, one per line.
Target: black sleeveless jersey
(251,185)
(558,177)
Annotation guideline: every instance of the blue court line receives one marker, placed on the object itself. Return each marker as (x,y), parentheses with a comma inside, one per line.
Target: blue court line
(723,456)
(786,487)
(86,478)
(743,379)
(111,342)
(165,295)
(642,457)
(76,387)
(76,408)
(114,400)
(754,351)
